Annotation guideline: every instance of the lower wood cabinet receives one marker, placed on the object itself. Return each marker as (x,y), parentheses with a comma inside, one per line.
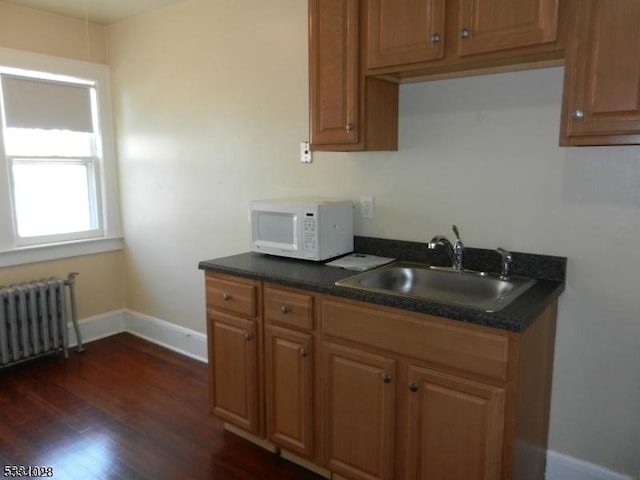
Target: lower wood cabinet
(289,389)
(455,427)
(358,412)
(234,379)
(376,393)
(234,337)
(290,368)
(428,398)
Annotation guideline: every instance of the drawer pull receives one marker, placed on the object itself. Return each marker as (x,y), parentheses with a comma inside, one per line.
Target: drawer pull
(304,352)
(226,297)
(386,378)
(248,337)
(284,309)
(413,387)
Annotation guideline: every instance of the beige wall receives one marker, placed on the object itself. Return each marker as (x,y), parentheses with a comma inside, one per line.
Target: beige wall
(211,104)
(41,32)
(100,285)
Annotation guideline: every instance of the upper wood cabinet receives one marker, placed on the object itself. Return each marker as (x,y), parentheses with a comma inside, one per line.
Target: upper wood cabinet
(407,38)
(347,110)
(493,25)
(601,102)
(404,31)
(361,49)
(334,52)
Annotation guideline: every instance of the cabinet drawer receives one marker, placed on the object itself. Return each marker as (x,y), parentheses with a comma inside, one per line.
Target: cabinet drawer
(231,295)
(288,308)
(418,336)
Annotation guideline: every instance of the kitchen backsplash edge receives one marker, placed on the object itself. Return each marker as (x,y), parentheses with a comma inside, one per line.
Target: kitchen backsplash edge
(544,267)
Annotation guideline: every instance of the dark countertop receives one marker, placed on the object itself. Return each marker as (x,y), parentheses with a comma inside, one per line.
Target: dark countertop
(316,277)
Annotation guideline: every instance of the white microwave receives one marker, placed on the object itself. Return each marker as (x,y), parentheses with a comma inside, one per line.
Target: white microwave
(305,228)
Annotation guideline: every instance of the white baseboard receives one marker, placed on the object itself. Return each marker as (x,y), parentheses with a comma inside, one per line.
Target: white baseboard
(97,327)
(563,467)
(168,335)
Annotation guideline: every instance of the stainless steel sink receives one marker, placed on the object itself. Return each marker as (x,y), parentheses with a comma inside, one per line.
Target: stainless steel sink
(481,291)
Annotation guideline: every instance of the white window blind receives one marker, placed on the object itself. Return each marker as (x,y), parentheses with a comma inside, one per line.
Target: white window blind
(41,104)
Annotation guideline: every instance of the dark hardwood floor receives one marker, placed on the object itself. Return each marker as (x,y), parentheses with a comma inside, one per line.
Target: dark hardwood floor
(124,409)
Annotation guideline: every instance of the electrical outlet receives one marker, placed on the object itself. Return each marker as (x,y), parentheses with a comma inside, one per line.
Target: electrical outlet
(366,206)
(305,153)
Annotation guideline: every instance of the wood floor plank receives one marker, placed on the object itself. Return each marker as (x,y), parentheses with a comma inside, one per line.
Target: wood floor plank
(124,409)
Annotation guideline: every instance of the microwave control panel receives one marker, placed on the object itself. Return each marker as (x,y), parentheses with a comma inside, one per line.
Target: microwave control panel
(309,227)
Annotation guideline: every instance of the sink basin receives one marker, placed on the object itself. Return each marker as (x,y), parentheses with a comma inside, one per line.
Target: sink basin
(481,291)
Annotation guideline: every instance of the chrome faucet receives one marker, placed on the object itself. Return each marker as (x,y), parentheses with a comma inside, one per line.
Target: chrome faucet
(454,250)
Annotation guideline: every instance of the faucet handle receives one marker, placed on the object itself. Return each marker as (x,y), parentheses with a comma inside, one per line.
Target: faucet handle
(455,230)
(458,250)
(507,262)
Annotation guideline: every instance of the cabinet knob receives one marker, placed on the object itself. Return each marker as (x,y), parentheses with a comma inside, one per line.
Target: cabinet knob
(304,352)
(349,127)
(435,38)
(248,337)
(226,297)
(284,309)
(413,387)
(465,33)
(386,378)
(577,114)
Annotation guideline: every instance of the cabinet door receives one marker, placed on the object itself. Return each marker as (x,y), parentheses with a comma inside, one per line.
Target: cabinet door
(455,427)
(602,75)
(492,25)
(289,386)
(358,416)
(234,382)
(334,71)
(401,32)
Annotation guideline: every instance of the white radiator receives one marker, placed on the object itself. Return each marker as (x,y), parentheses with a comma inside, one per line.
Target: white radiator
(33,319)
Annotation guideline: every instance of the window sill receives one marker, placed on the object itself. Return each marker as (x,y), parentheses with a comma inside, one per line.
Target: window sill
(44,253)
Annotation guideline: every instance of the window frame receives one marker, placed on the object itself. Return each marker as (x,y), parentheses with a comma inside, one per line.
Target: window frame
(93,185)
(16,251)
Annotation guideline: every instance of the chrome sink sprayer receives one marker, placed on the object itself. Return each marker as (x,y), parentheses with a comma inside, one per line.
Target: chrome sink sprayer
(507,260)
(454,250)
